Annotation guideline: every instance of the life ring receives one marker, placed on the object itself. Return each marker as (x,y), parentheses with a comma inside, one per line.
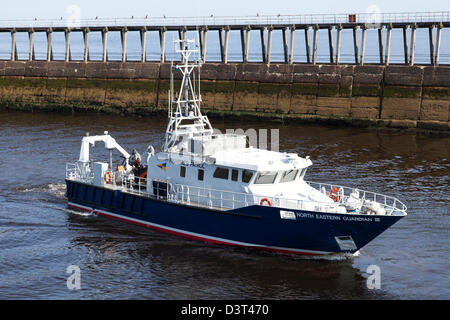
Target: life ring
(107,177)
(265,200)
(334,194)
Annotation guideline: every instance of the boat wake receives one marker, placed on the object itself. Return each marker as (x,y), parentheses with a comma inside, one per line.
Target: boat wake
(55,189)
(332,257)
(78,213)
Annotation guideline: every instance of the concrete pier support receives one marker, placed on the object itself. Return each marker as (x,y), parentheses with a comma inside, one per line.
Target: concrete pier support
(31,45)
(86,44)
(67,56)
(49,45)
(203,36)
(245,43)
(13,46)
(405,44)
(413,45)
(291,46)
(123,38)
(307,46)
(355,44)
(263,45)
(223,39)
(162,43)
(430,34)
(338,44)
(269,43)
(363,45)
(330,44)
(380,45)
(316,34)
(285,45)
(143,35)
(105,44)
(388,45)
(438,44)
(181,36)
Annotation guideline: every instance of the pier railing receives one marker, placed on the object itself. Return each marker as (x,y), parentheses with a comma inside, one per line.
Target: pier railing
(255,20)
(287,25)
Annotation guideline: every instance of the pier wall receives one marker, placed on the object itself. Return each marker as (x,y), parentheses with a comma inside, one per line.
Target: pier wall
(398,96)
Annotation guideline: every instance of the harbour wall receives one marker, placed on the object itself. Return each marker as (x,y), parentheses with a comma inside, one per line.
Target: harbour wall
(395,96)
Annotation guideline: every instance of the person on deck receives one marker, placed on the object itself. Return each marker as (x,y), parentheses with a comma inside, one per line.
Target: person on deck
(135,162)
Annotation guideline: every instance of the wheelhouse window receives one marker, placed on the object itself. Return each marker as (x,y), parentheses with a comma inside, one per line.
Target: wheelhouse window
(302,174)
(234,175)
(201,174)
(265,177)
(246,176)
(221,173)
(289,175)
(182,171)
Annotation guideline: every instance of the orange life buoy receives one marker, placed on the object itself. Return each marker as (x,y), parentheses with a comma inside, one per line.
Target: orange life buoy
(265,200)
(108,177)
(334,194)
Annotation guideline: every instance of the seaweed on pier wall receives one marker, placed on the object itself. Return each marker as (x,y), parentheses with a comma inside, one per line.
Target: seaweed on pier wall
(393,96)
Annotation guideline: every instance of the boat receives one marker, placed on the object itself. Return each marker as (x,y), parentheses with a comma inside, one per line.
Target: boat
(214,187)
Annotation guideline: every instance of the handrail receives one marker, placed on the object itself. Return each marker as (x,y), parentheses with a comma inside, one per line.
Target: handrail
(366,195)
(364,17)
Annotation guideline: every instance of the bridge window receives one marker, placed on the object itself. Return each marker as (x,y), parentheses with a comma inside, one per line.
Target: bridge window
(246,176)
(234,175)
(221,173)
(201,174)
(265,177)
(289,175)
(182,171)
(302,174)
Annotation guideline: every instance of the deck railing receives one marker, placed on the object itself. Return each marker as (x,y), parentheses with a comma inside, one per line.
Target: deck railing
(344,194)
(80,172)
(228,200)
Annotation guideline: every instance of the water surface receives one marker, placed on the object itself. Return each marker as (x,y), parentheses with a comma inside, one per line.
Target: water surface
(40,237)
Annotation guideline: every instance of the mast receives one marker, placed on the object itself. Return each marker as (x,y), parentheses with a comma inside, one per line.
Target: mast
(187,120)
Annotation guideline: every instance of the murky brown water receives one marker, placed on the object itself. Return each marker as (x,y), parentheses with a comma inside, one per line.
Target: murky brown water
(40,237)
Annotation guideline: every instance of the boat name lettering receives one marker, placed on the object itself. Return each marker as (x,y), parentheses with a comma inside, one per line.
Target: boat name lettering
(327,217)
(360,219)
(304,215)
(337,218)
(317,216)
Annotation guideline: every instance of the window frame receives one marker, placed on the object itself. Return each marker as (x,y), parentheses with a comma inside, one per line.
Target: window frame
(202,175)
(286,172)
(237,175)
(252,173)
(267,173)
(303,172)
(222,178)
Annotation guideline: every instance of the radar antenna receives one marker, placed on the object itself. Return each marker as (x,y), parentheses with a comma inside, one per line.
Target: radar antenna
(187,120)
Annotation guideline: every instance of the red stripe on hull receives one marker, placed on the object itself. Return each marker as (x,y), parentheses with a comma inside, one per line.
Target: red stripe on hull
(79,208)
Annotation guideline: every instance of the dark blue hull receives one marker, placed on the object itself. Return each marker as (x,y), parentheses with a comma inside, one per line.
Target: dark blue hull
(309,233)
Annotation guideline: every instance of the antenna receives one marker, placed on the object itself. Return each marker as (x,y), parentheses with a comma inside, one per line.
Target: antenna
(171,89)
(187,102)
